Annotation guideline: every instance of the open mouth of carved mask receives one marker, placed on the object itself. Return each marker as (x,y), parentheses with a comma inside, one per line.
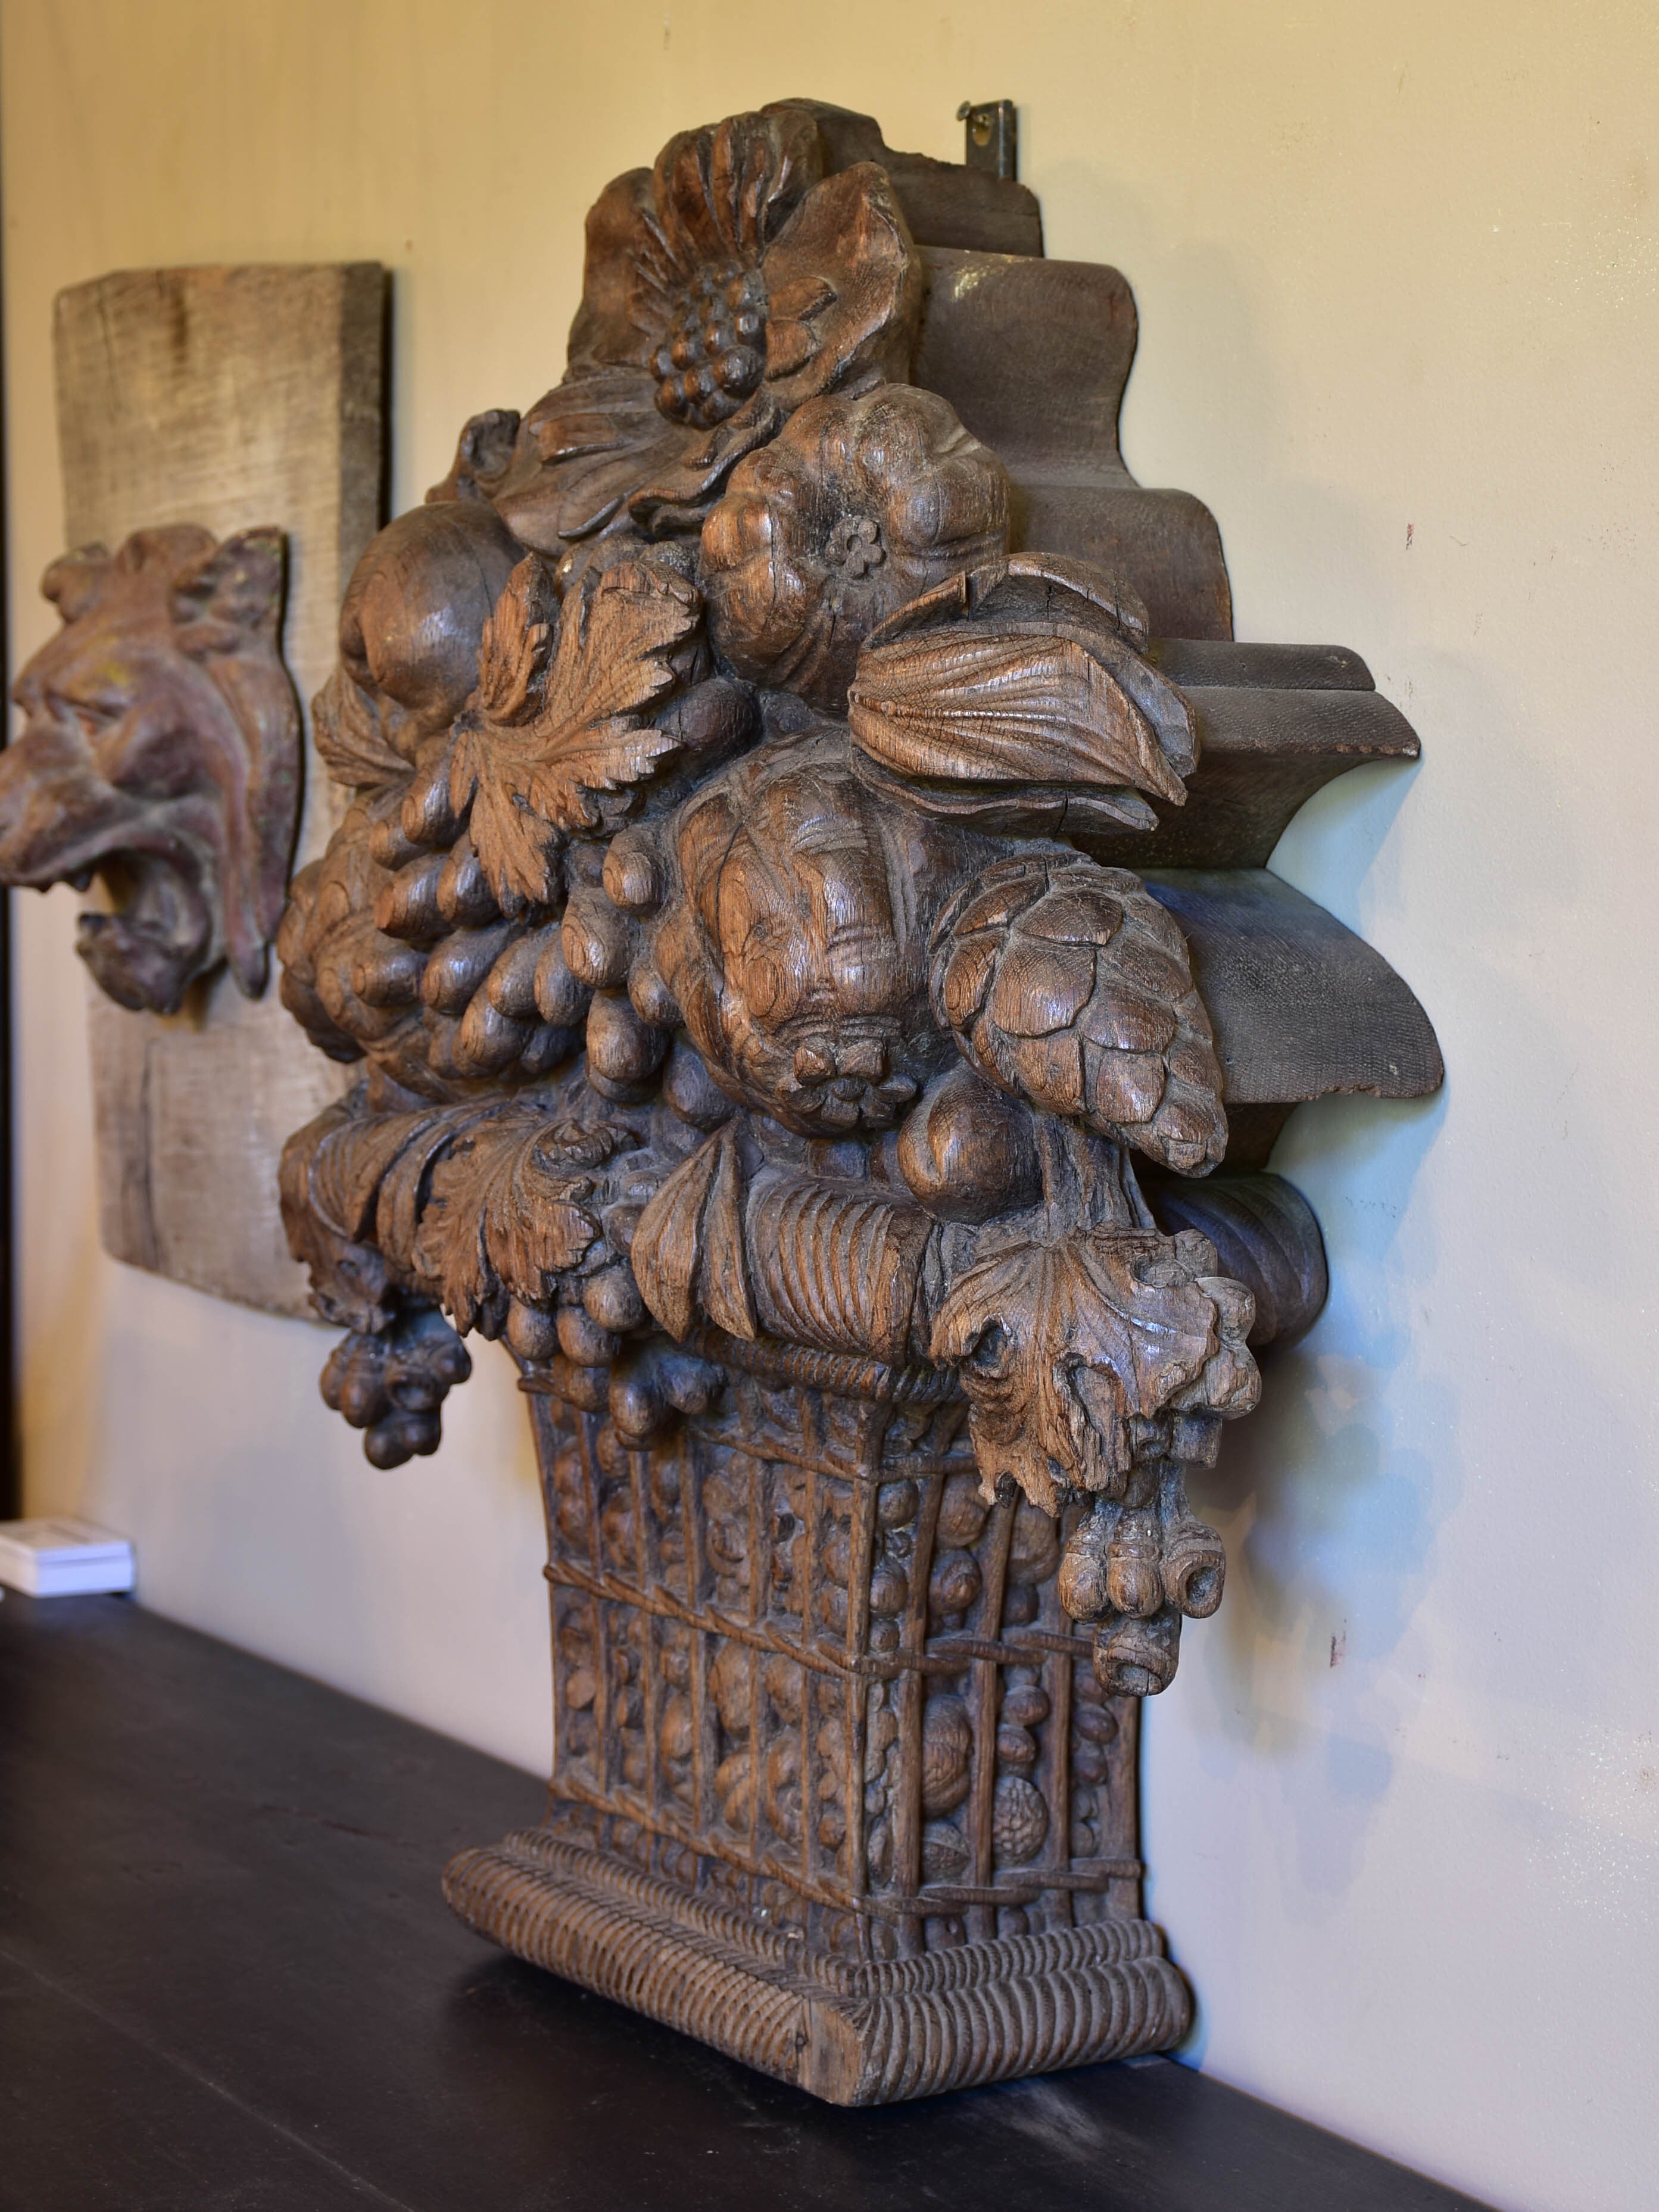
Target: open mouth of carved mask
(158,935)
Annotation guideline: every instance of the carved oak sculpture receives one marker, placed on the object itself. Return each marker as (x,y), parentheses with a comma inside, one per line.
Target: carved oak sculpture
(161,751)
(764,1033)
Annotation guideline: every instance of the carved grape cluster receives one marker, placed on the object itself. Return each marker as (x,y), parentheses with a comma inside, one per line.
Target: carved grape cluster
(715,352)
(1139,1564)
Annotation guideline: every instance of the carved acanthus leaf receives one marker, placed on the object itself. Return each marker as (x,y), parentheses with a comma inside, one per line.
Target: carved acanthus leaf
(1061,1345)
(688,1250)
(533,778)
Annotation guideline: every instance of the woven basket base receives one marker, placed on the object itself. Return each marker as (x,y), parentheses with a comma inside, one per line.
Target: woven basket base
(855,2034)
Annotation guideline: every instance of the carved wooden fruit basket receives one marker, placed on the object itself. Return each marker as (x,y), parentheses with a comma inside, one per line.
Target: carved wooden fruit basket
(779,906)
(810,1679)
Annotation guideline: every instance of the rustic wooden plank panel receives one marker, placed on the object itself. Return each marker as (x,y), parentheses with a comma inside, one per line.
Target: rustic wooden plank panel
(226,397)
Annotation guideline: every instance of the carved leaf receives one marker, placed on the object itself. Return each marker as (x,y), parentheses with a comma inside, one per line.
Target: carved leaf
(514,647)
(505,1213)
(688,1250)
(1068,985)
(1060,1345)
(530,782)
(982,706)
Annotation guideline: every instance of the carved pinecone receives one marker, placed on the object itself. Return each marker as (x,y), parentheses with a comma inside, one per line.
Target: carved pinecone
(1069,985)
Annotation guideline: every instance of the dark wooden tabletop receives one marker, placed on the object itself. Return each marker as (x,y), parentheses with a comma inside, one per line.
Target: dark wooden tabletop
(228,1983)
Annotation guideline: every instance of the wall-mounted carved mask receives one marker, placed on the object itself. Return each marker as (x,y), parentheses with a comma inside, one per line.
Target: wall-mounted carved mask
(160,752)
(807,938)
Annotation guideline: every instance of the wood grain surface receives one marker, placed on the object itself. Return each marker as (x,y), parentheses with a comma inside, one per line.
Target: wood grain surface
(227,398)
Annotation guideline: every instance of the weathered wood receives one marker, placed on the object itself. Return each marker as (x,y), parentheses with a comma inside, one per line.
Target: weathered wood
(746,1048)
(1301,1006)
(224,397)
(1034,355)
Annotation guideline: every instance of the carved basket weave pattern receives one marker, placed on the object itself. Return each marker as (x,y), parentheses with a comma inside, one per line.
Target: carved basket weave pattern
(802,1671)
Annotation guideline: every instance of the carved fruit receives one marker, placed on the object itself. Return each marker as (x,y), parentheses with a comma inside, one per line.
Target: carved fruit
(1034,1551)
(612,1299)
(967,1149)
(962,1512)
(1137,1658)
(623,1053)
(1133,1583)
(947,1746)
(955,1583)
(1069,985)
(796,951)
(1016,1747)
(1019,1820)
(889,1590)
(1026,1706)
(857,507)
(944,1854)
(1082,1584)
(1194,1568)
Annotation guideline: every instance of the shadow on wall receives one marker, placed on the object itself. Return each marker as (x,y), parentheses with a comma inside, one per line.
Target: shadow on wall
(1328,1517)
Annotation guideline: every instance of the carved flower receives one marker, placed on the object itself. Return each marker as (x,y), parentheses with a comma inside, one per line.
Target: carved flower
(722,288)
(856,508)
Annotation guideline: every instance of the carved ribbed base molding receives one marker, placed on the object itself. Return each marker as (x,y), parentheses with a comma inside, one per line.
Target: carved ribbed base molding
(856,2034)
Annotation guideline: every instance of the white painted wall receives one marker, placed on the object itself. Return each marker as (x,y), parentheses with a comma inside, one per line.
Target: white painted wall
(1398,271)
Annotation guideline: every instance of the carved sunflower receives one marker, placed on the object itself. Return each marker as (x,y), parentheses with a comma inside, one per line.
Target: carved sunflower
(857,507)
(722,288)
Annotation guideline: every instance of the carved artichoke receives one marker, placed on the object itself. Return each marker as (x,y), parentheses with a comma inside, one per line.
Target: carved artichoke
(1068,985)
(858,507)
(723,288)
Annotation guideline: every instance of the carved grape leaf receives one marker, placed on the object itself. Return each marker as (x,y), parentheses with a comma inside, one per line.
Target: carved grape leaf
(514,647)
(505,1212)
(1060,1345)
(533,780)
(464,1203)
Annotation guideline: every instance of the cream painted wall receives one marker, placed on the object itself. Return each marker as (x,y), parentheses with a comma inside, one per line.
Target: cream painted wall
(1398,270)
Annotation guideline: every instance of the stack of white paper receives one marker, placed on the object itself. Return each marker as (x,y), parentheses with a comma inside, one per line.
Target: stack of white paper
(63,1559)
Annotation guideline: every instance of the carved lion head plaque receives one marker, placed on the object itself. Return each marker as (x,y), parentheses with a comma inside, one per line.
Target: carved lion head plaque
(160,752)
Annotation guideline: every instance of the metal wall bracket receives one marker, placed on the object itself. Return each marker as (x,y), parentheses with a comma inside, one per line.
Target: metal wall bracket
(991,136)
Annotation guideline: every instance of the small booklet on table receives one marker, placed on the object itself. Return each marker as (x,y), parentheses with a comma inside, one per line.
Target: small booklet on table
(61,1557)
